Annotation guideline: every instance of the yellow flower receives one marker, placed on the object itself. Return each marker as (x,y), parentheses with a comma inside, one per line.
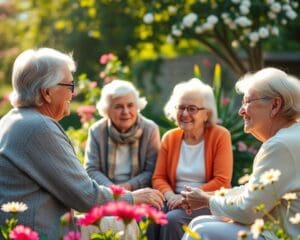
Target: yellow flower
(191,233)
(257,228)
(289,196)
(270,176)
(14,207)
(295,219)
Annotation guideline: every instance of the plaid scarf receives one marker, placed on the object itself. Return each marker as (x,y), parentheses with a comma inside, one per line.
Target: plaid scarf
(130,138)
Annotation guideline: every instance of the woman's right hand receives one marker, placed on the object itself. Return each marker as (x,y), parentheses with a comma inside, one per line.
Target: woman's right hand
(148,196)
(174,201)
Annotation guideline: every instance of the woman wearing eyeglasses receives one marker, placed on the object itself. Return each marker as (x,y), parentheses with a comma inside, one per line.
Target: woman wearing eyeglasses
(268,206)
(198,153)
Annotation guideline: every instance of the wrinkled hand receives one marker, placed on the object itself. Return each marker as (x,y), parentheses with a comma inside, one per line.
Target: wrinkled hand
(148,196)
(174,201)
(194,198)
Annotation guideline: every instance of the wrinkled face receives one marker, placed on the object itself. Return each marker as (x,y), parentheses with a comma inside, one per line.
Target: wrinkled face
(255,111)
(61,96)
(191,115)
(123,112)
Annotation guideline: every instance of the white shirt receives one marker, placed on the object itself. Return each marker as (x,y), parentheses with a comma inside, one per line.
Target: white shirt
(191,166)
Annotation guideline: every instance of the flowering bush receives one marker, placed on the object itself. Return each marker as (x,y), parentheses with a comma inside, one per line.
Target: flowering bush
(143,214)
(226,27)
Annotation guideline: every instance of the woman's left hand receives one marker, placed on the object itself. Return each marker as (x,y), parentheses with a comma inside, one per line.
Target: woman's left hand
(194,198)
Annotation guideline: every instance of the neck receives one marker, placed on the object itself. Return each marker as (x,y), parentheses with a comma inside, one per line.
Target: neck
(275,126)
(193,137)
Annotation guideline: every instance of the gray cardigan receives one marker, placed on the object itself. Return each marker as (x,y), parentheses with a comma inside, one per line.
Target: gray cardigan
(96,153)
(38,166)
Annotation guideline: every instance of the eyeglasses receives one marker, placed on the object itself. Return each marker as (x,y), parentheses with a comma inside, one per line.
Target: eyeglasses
(191,109)
(70,85)
(248,101)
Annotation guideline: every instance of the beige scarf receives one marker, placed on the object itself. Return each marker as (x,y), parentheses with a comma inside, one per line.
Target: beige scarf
(130,138)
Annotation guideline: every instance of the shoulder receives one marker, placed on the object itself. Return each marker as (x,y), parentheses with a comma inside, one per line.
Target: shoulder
(99,125)
(148,123)
(174,133)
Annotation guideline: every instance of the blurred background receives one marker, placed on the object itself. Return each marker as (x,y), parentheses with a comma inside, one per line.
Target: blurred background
(155,44)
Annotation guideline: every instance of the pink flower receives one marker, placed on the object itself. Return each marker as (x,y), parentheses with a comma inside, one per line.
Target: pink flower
(117,191)
(21,232)
(92,217)
(106,57)
(72,235)
(225,101)
(242,147)
(93,84)
(155,215)
(86,113)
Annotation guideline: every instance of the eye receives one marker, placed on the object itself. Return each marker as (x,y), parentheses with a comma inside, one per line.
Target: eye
(192,109)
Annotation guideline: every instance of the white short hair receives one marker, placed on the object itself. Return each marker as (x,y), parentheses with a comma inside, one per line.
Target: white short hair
(273,82)
(194,85)
(118,88)
(35,69)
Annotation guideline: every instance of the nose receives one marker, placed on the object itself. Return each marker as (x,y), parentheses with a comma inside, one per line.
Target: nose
(242,111)
(125,110)
(74,94)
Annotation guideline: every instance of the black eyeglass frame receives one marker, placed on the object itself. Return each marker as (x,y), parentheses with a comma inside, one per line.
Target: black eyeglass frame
(181,109)
(70,85)
(248,101)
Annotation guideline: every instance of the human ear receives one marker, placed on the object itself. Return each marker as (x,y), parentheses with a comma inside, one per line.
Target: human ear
(46,94)
(276,106)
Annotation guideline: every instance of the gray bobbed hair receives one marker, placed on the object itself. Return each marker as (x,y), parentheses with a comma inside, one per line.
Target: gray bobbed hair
(118,88)
(35,69)
(194,85)
(273,82)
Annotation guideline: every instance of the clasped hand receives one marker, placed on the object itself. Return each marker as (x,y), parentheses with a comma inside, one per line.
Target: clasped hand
(194,198)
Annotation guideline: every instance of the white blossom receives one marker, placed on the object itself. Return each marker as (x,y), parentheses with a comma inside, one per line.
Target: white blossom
(212,19)
(14,207)
(283,21)
(272,15)
(275,31)
(257,228)
(253,36)
(289,196)
(246,3)
(276,7)
(269,1)
(199,29)
(148,18)
(263,32)
(291,14)
(207,26)
(176,32)
(295,219)
(170,39)
(189,19)
(270,176)
(172,9)
(243,21)
(235,1)
(244,9)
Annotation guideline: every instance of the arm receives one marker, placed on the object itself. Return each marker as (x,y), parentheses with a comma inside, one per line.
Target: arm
(222,163)
(149,149)
(239,207)
(92,159)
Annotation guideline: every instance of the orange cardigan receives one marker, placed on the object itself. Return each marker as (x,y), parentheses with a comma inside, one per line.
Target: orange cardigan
(218,159)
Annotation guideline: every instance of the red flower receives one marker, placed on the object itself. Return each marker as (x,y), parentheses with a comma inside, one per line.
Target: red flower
(155,215)
(106,57)
(92,217)
(117,191)
(21,232)
(72,235)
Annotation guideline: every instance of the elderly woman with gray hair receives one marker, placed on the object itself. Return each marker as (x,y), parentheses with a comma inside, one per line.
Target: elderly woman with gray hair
(38,164)
(198,153)
(122,147)
(271,113)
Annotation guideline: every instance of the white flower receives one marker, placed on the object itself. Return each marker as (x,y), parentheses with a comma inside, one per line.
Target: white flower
(270,176)
(242,234)
(170,39)
(207,26)
(189,19)
(235,1)
(235,44)
(253,36)
(295,4)
(270,1)
(275,31)
(221,192)
(276,7)
(243,21)
(224,15)
(176,32)
(295,219)
(272,15)
(263,32)
(289,196)
(244,9)
(199,29)
(148,18)
(291,14)
(283,21)
(172,9)
(257,228)
(212,19)
(244,179)
(14,207)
